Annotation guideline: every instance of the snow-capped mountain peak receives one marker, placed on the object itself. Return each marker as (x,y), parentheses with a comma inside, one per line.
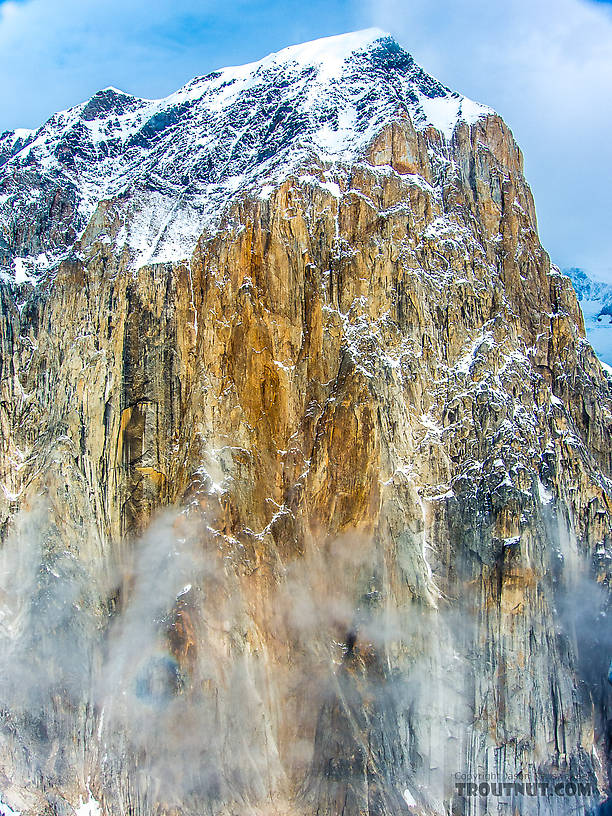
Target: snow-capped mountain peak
(177,162)
(328,54)
(595,298)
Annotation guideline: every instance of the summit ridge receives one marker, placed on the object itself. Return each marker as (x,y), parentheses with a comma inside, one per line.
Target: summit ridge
(173,165)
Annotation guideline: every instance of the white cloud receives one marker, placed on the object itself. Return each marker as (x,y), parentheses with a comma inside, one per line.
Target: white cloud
(55,53)
(546,66)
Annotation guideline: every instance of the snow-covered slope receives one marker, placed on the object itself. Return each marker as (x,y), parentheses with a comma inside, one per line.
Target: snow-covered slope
(171,165)
(595,300)
(349,463)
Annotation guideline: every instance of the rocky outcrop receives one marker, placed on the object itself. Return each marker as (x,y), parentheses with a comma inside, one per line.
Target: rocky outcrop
(317,520)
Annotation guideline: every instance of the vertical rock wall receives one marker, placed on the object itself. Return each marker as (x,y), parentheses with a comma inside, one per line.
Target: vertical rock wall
(385,444)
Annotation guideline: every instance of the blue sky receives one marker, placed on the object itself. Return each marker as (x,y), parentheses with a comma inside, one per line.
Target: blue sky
(545,65)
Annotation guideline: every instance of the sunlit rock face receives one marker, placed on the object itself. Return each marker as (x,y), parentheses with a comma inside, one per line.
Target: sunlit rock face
(306,475)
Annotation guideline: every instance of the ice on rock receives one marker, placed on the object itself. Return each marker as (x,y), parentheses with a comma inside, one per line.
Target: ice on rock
(172,166)
(89,808)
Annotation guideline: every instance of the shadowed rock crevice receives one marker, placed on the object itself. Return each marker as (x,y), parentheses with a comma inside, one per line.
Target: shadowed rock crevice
(304,458)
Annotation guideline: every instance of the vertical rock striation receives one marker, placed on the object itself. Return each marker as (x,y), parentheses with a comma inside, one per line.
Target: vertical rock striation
(305,458)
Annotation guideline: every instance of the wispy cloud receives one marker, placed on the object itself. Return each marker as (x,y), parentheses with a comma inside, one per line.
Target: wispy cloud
(55,53)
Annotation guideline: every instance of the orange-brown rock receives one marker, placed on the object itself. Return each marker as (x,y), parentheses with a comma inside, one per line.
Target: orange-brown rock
(380,445)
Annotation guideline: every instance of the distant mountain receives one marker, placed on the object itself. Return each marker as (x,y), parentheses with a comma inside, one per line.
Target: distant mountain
(595,300)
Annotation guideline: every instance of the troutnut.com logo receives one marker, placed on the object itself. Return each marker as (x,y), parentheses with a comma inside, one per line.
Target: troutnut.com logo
(506,788)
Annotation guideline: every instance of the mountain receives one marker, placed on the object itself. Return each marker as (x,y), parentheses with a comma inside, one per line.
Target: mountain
(595,300)
(172,165)
(305,458)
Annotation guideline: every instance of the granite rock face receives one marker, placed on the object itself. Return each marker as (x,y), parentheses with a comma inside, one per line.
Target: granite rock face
(316,518)
(595,300)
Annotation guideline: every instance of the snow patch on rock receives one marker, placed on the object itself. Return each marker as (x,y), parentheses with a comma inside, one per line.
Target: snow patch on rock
(171,167)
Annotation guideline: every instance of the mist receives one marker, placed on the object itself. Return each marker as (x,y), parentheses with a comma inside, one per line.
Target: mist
(158,662)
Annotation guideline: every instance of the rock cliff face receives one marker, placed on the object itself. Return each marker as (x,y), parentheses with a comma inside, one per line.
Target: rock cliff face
(305,459)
